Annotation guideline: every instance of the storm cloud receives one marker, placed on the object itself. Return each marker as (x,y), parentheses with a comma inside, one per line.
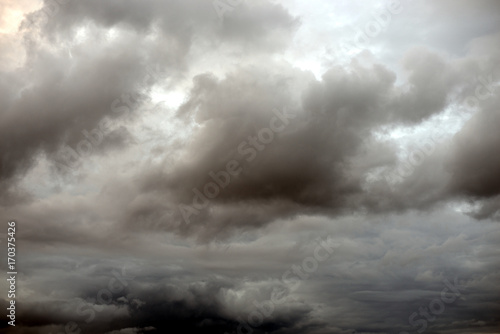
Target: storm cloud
(251,166)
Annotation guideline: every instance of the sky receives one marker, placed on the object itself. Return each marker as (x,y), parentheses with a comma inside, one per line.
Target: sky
(251,166)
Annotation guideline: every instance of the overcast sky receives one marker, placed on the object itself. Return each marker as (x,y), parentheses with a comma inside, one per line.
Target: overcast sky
(251,166)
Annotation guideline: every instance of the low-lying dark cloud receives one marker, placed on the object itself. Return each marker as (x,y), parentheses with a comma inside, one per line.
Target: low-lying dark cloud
(174,165)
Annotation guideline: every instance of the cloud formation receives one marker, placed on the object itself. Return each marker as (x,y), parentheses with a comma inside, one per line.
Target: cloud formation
(171,167)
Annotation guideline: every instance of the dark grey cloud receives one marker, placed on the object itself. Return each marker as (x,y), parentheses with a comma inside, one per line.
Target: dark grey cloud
(62,98)
(278,175)
(383,270)
(171,167)
(474,164)
(68,89)
(314,165)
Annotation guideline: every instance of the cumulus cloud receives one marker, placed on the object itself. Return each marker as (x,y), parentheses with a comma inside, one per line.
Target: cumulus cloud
(236,169)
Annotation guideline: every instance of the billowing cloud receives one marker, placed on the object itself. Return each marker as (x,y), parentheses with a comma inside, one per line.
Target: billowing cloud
(244,167)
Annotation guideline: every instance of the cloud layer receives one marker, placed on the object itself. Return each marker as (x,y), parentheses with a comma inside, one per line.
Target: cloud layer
(182,164)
